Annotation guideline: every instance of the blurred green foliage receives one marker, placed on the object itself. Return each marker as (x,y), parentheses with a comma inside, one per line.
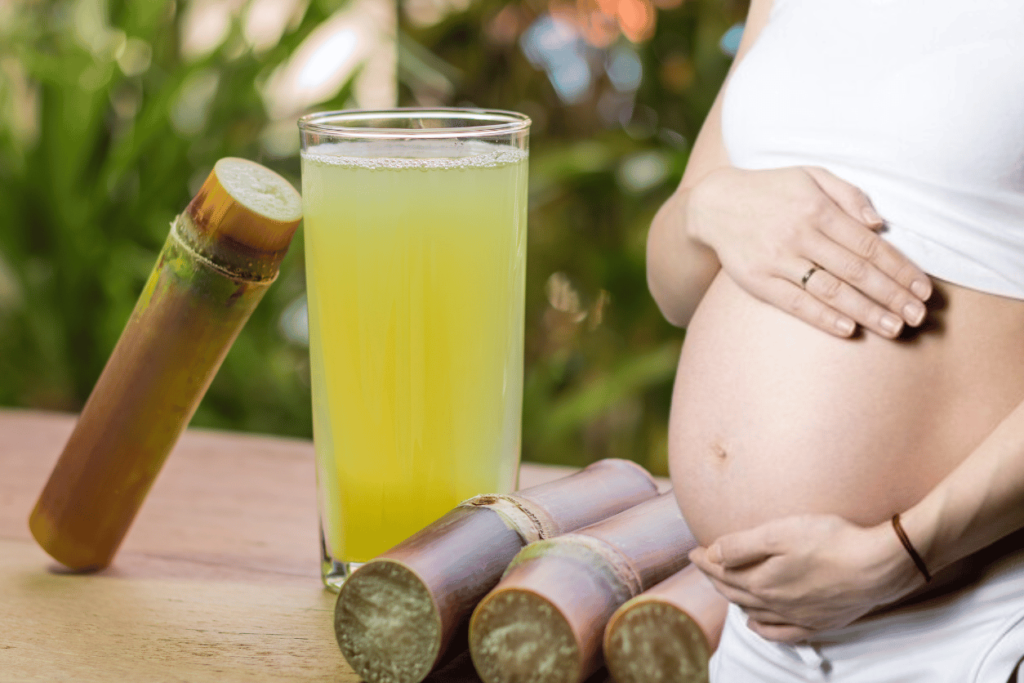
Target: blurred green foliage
(98,153)
(106,130)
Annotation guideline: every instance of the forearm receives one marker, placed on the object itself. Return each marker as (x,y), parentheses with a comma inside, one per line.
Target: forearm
(679,268)
(801,574)
(978,503)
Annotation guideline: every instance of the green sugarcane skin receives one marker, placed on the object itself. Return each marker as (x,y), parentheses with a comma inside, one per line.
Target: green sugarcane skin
(183,325)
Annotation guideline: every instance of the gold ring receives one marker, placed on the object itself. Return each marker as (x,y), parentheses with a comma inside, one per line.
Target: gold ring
(807,276)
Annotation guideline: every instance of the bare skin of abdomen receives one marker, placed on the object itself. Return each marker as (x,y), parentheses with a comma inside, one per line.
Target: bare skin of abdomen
(772,417)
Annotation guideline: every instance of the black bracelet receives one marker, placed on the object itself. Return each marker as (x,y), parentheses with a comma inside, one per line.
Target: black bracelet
(910,547)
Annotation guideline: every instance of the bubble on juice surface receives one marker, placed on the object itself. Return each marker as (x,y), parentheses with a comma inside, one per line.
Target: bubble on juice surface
(414,154)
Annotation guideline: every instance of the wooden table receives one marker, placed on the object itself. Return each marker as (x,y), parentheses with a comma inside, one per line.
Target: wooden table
(218,579)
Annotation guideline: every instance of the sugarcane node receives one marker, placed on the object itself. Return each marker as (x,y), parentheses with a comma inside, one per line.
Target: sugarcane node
(387,623)
(191,310)
(243,218)
(521,515)
(652,538)
(602,489)
(649,640)
(453,562)
(584,576)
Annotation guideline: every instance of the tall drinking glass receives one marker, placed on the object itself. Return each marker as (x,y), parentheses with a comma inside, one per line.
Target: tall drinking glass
(415,236)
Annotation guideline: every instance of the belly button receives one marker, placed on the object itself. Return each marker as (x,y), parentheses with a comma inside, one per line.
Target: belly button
(719,452)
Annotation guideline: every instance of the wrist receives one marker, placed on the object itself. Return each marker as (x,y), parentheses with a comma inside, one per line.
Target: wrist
(908,545)
(693,227)
(920,524)
(897,573)
(697,203)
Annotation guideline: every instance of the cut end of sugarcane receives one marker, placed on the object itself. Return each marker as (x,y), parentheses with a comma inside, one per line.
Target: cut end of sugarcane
(517,636)
(244,216)
(387,624)
(650,641)
(259,189)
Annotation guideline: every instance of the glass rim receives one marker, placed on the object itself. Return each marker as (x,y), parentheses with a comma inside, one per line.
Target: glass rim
(494,122)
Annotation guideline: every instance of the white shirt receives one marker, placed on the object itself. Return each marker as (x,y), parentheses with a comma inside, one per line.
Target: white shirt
(919,103)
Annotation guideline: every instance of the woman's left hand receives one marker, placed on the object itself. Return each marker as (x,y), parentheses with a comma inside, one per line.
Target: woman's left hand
(795,576)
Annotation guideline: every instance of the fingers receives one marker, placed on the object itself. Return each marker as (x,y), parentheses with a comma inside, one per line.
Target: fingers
(849,197)
(739,596)
(839,295)
(716,573)
(743,548)
(729,585)
(855,254)
(872,265)
(765,616)
(763,620)
(870,246)
(845,289)
(781,633)
(806,306)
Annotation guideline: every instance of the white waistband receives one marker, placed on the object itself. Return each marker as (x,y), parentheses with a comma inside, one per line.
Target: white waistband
(974,634)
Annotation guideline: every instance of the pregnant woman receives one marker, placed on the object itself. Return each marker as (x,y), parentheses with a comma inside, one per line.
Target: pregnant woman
(846,251)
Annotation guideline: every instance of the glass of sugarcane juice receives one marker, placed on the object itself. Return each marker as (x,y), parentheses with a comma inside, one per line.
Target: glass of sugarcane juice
(415,242)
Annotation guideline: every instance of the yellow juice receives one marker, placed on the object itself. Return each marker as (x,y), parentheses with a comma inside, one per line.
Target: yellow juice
(415,274)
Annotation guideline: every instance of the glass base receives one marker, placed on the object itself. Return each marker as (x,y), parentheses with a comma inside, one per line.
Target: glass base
(334,573)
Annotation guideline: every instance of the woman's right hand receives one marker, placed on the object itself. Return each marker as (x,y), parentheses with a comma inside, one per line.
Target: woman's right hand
(807,242)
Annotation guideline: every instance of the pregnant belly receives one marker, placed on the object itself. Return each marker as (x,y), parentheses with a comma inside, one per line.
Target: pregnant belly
(771,417)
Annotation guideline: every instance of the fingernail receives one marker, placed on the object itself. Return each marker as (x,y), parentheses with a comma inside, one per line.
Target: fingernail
(891,324)
(914,313)
(871,216)
(845,326)
(921,290)
(714,554)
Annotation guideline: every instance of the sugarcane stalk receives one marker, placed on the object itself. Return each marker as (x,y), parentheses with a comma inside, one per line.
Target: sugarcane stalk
(397,615)
(221,255)
(668,633)
(544,621)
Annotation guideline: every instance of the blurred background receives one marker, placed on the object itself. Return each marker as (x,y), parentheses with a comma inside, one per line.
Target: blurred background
(113,112)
